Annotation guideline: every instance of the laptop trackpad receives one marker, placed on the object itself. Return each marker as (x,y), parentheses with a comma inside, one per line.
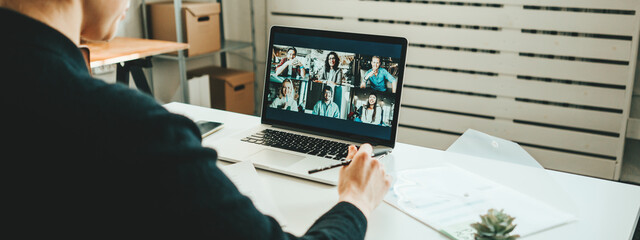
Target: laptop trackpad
(275,158)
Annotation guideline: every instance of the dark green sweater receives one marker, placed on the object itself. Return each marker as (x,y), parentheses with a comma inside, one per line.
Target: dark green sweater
(83,158)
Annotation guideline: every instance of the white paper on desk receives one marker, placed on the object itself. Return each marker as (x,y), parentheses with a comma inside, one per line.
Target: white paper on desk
(246,179)
(449,199)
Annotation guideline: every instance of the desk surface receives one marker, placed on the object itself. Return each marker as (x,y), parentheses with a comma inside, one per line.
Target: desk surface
(605,209)
(122,49)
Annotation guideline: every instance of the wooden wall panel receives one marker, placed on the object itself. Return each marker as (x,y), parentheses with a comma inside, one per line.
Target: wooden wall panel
(507,108)
(555,76)
(511,86)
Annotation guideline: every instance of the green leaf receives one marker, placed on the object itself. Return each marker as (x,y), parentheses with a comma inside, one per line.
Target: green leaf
(510,228)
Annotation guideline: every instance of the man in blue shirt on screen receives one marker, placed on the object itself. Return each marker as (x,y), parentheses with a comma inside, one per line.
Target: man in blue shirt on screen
(377,77)
(326,107)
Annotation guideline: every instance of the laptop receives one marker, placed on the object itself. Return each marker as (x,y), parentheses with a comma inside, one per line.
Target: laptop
(323,90)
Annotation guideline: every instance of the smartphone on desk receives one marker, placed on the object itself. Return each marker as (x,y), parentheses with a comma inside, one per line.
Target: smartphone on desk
(208,127)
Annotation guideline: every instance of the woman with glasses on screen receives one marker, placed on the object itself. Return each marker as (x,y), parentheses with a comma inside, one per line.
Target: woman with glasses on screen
(331,73)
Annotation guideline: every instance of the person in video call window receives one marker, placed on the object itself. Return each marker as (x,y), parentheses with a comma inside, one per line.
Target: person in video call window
(371,112)
(326,107)
(286,99)
(377,77)
(291,66)
(331,72)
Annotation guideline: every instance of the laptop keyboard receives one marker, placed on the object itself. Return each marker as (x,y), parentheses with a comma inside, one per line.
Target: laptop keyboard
(300,143)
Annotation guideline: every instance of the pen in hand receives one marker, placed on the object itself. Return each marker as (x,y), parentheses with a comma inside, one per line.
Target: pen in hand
(342,163)
(347,161)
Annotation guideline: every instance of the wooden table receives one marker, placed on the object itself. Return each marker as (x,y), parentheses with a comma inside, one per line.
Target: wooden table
(134,53)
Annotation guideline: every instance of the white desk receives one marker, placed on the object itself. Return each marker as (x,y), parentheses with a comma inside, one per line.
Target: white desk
(607,209)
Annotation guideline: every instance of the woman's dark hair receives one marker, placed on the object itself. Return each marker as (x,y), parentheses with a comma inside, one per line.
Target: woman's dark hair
(375,106)
(326,61)
(295,52)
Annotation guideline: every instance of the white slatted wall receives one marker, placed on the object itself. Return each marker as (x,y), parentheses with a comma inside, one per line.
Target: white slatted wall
(555,76)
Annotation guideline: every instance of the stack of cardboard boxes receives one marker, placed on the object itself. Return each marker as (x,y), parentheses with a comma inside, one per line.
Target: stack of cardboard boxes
(230,89)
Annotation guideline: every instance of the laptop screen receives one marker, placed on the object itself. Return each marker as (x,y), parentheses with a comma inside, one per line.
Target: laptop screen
(337,83)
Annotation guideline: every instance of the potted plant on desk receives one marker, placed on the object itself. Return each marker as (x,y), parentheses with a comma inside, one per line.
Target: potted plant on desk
(495,225)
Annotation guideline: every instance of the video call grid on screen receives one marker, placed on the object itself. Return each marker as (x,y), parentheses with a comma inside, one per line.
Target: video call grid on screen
(336,84)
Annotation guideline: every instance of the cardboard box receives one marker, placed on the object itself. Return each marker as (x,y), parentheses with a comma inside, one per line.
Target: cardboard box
(201,25)
(230,89)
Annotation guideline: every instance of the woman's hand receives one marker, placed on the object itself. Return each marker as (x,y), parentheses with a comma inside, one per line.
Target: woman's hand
(363,182)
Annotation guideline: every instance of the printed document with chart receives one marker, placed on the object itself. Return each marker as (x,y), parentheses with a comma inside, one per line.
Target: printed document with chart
(449,199)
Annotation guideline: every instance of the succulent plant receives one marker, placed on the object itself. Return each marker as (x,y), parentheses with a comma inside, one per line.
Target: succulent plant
(495,225)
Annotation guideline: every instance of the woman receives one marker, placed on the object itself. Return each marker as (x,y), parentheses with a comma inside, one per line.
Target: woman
(124,165)
(331,72)
(371,112)
(286,99)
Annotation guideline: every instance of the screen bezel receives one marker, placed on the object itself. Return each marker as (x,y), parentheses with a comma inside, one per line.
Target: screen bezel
(339,35)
